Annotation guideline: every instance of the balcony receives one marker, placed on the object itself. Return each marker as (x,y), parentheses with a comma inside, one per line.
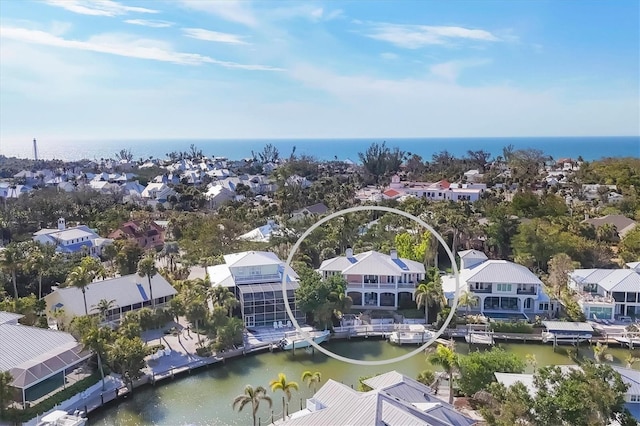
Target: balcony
(406,285)
(531,290)
(482,290)
(258,278)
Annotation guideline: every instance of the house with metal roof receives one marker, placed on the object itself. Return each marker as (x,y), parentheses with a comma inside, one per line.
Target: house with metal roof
(394,400)
(499,286)
(374,279)
(607,293)
(128,293)
(256,279)
(74,239)
(40,361)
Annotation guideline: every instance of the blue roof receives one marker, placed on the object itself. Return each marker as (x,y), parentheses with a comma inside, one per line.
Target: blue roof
(542,296)
(74,248)
(352,260)
(401,264)
(634,409)
(142,292)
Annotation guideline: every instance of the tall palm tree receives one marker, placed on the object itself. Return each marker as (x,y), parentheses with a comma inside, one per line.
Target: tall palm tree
(630,360)
(11,258)
(429,292)
(530,359)
(286,387)
(223,297)
(251,396)
(467,299)
(83,275)
(98,339)
(312,379)
(38,261)
(147,267)
(445,357)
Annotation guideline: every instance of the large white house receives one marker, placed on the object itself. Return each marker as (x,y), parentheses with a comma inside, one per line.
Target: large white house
(607,293)
(74,239)
(256,279)
(395,400)
(376,280)
(438,191)
(129,293)
(500,287)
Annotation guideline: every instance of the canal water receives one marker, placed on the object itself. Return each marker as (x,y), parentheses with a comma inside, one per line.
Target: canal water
(205,396)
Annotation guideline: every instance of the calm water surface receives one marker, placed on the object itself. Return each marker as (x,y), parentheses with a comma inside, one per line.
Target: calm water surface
(205,397)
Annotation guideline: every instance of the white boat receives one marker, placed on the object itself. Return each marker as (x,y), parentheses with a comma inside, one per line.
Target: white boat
(410,333)
(62,418)
(296,338)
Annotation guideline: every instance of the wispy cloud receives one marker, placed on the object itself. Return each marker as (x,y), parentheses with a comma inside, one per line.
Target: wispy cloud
(123,45)
(450,71)
(230,10)
(389,56)
(98,7)
(306,11)
(152,23)
(207,35)
(417,36)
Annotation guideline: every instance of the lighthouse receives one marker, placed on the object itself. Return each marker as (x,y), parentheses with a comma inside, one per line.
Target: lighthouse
(35,149)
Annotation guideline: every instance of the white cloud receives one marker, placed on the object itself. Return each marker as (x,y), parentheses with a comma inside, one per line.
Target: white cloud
(305,11)
(98,7)
(229,10)
(152,23)
(215,36)
(449,71)
(417,36)
(124,45)
(388,56)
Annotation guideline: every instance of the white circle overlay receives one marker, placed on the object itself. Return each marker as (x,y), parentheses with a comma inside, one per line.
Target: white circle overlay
(327,352)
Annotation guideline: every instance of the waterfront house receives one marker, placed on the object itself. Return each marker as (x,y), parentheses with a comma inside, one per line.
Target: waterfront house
(499,286)
(629,376)
(74,239)
(40,361)
(376,280)
(607,293)
(394,400)
(256,279)
(147,235)
(128,293)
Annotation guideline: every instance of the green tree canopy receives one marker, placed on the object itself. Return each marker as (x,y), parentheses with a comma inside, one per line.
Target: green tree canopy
(477,368)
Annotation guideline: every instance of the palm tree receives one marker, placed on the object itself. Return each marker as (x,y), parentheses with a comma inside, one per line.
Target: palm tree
(630,360)
(98,340)
(252,396)
(467,299)
(37,261)
(286,387)
(224,297)
(11,259)
(83,275)
(312,378)
(530,359)
(445,357)
(103,306)
(147,267)
(600,352)
(429,293)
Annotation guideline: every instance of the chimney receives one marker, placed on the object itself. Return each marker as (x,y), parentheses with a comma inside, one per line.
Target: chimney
(349,252)
(61,224)
(394,253)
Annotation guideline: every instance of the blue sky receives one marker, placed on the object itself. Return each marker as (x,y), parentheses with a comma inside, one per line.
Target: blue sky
(80,69)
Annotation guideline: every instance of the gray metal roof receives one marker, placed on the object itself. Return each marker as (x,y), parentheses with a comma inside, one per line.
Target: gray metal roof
(6,317)
(630,377)
(345,406)
(590,276)
(21,343)
(502,271)
(125,291)
(567,326)
(372,263)
(623,280)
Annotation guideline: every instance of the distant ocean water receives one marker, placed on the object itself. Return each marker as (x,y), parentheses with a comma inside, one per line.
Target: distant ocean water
(590,148)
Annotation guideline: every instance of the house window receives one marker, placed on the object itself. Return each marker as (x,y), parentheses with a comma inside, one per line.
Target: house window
(504,287)
(635,398)
(543,307)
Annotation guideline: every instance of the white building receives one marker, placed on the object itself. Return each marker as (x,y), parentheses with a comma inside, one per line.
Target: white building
(500,287)
(376,280)
(72,240)
(607,293)
(395,400)
(261,234)
(256,278)
(438,191)
(129,293)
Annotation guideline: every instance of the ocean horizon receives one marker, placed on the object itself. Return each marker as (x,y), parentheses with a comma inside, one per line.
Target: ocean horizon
(589,148)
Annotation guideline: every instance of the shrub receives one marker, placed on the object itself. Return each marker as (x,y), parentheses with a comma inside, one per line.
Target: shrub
(512,327)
